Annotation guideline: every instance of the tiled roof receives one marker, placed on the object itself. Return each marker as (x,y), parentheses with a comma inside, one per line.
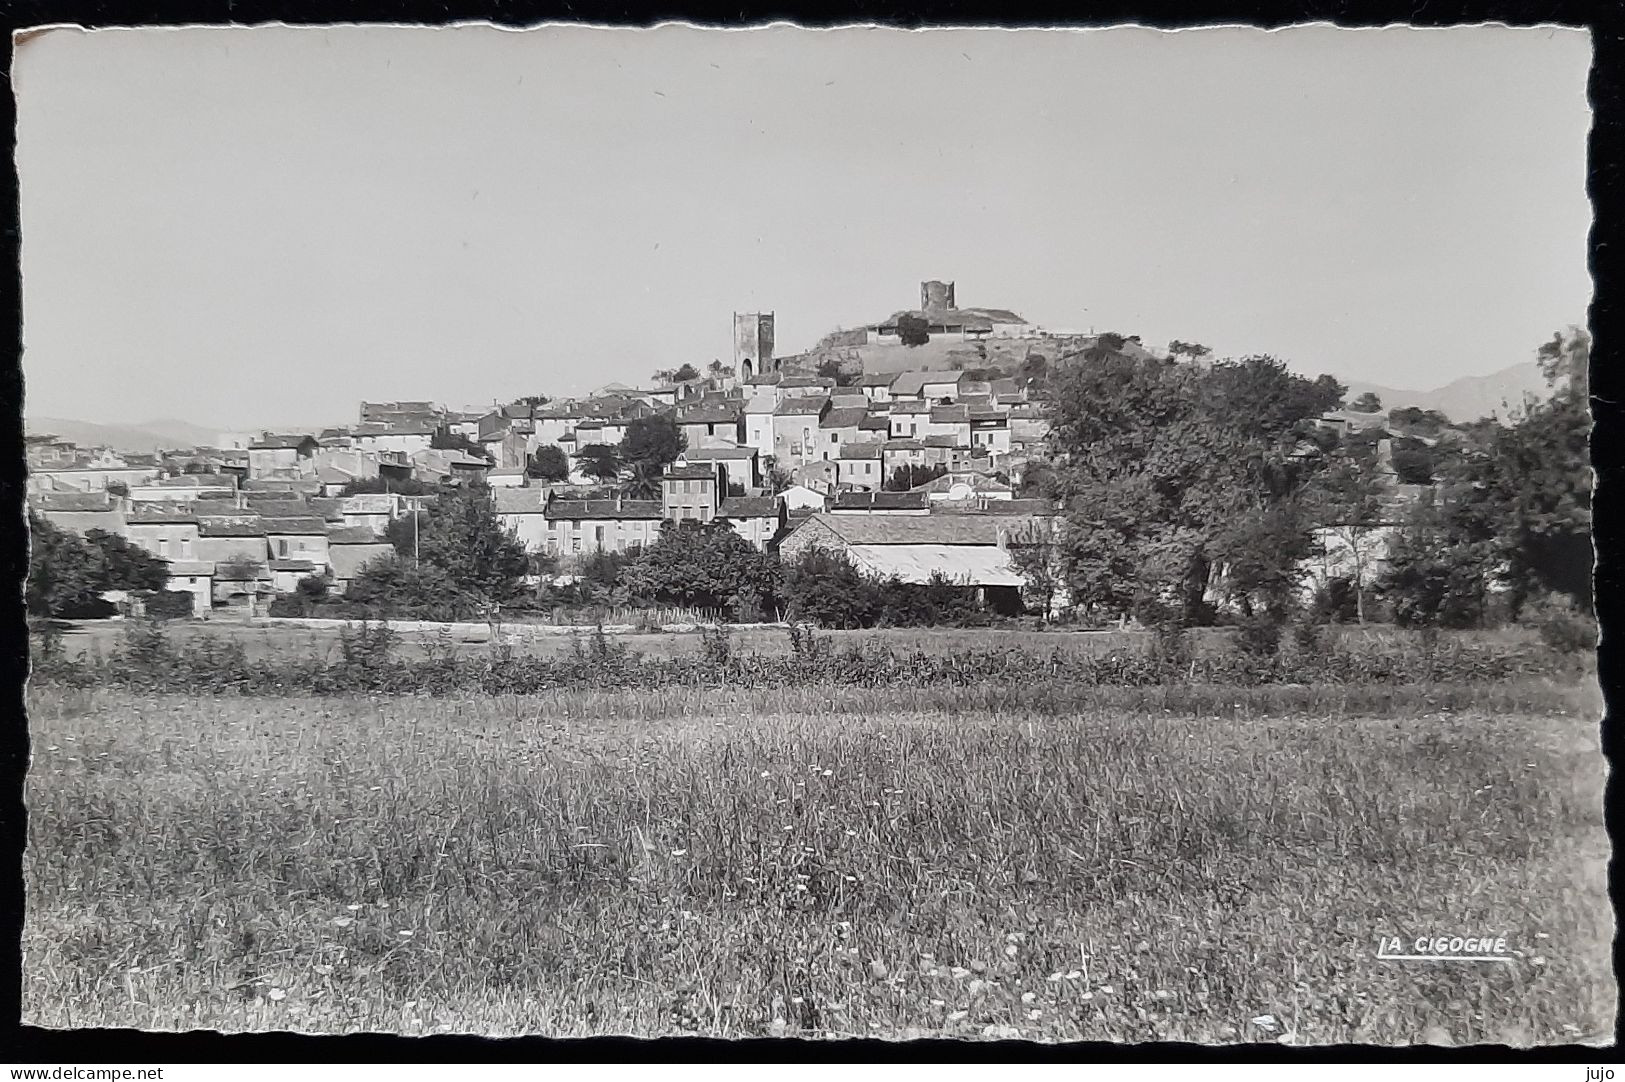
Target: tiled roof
(690,473)
(802,406)
(710,413)
(904,445)
(719,454)
(881,501)
(329,508)
(275,443)
(948,415)
(985,414)
(524,500)
(941,441)
(905,409)
(604,509)
(876,379)
(299,524)
(843,418)
(946,529)
(351,535)
(195,480)
(235,526)
(749,507)
(874,422)
(1021,506)
(272,484)
(75,501)
(238,570)
(292,565)
(978,482)
(859,451)
(156,514)
(367,503)
(191,567)
(797,382)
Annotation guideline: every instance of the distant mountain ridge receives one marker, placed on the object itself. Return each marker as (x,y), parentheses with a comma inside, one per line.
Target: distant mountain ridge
(145,436)
(1466,399)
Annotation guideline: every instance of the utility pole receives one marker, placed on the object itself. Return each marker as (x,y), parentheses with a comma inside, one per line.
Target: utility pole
(416,506)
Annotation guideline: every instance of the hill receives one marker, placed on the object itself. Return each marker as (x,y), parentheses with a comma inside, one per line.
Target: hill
(1465,399)
(146,436)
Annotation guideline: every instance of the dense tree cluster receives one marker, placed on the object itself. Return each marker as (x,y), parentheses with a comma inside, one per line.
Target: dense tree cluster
(68,574)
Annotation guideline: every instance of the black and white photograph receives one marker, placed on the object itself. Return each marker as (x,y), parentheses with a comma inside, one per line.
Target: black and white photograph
(1034,535)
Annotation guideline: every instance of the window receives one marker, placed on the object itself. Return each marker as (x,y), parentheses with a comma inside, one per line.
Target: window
(835,437)
(282,546)
(163,546)
(600,536)
(186,547)
(575,544)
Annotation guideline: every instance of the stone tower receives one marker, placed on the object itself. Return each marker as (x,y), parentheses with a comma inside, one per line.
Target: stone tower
(937,297)
(753,344)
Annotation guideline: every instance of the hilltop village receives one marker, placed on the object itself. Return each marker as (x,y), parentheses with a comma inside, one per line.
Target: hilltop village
(914,473)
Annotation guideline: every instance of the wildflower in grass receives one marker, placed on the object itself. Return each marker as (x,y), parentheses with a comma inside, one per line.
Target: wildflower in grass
(1105,989)
(679,852)
(1035,1014)
(1265,1022)
(829,773)
(1538,960)
(1028,997)
(278,994)
(405,933)
(939,1003)
(958,1016)
(343,922)
(1087,995)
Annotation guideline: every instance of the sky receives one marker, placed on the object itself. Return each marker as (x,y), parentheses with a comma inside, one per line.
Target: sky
(252,227)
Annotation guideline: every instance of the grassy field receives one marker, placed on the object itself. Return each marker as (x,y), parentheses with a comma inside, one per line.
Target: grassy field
(1167,863)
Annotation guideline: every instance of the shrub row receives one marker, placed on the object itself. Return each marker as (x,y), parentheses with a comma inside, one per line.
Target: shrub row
(369,662)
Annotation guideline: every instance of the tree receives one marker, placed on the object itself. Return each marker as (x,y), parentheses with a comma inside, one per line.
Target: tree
(1414,461)
(65,574)
(600,461)
(1157,465)
(408,486)
(681,374)
(825,588)
(391,584)
(830,369)
(1346,502)
(1366,403)
(1033,549)
(548,463)
(1035,366)
(126,566)
(1539,469)
(1194,350)
(909,475)
(652,443)
(1417,422)
(68,574)
(463,536)
(913,330)
(704,564)
(1107,345)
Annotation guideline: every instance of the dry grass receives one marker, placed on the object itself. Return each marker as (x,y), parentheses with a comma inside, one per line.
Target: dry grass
(820,861)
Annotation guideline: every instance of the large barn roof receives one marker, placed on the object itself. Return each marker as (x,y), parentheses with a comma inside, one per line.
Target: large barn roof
(966,565)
